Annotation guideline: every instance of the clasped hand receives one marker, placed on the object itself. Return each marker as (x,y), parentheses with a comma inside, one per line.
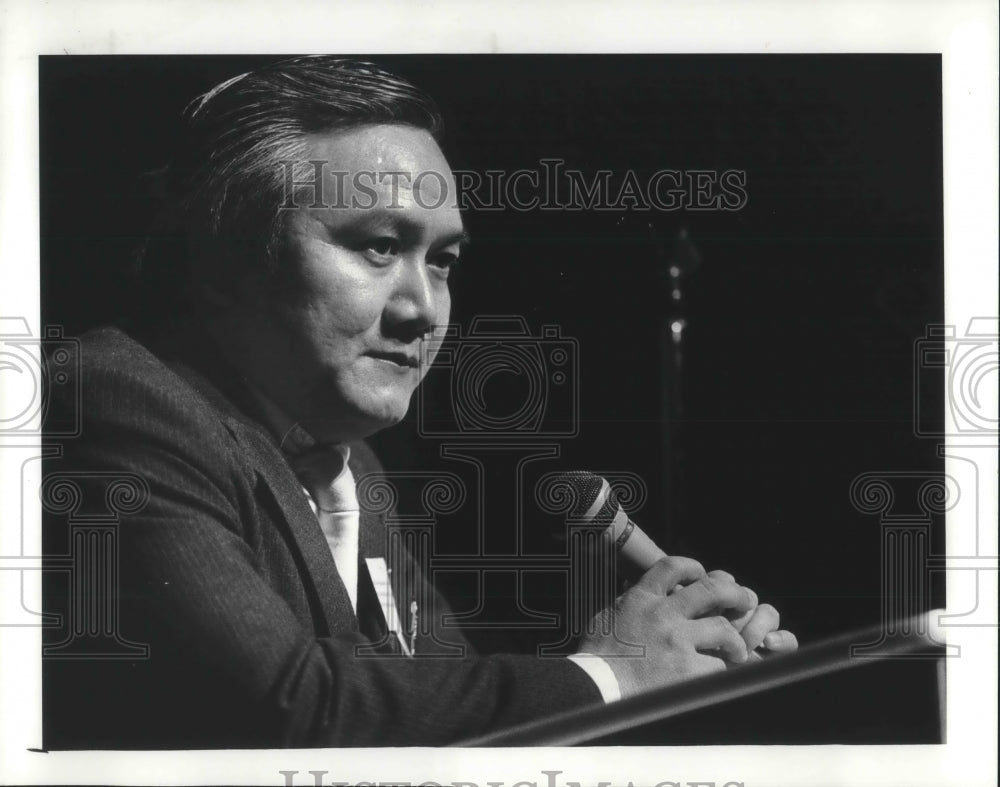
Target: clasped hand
(689,622)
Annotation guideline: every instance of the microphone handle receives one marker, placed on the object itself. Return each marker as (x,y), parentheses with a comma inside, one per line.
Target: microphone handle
(636,552)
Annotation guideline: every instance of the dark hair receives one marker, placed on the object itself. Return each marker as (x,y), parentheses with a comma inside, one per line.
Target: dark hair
(221,195)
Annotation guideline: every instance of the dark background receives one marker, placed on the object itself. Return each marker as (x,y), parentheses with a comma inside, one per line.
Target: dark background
(802,316)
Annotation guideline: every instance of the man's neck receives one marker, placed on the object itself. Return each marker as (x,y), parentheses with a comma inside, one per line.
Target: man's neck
(292,438)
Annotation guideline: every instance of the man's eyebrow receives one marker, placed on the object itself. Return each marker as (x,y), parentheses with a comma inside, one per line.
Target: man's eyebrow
(407,225)
(462,238)
(381,219)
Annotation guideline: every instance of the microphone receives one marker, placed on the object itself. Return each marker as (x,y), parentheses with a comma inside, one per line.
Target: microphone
(598,505)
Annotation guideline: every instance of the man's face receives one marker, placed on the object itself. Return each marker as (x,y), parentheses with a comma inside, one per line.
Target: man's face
(336,343)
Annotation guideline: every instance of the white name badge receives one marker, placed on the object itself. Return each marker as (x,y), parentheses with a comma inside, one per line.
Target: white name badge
(379,573)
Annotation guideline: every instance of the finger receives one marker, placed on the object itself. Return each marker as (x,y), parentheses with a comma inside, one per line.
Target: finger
(781,641)
(711,595)
(717,634)
(668,572)
(724,575)
(738,620)
(764,620)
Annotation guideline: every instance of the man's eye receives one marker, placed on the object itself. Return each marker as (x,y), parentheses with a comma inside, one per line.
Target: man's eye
(383,247)
(444,260)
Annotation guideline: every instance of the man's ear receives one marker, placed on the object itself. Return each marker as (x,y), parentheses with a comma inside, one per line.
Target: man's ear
(214,282)
(214,296)
(224,274)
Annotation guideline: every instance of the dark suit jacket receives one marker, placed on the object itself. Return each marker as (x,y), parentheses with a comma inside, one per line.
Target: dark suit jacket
(225,574)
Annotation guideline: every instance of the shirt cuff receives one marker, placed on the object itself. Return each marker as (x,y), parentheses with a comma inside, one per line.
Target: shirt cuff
(601,673)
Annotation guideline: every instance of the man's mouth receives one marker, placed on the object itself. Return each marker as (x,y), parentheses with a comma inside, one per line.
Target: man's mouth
(398,358)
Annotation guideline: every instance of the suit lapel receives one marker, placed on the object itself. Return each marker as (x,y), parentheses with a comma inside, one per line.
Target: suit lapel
(291,509)
(208,372)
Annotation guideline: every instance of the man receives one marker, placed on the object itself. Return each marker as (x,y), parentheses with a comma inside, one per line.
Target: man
(288,288)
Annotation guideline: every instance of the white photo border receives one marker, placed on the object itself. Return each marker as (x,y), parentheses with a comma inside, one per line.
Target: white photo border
(965,33)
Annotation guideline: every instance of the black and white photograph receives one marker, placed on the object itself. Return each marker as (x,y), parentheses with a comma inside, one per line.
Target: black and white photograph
(412,416)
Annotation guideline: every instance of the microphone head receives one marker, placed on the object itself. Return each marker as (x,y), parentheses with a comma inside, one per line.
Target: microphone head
(594,501)
(596,508)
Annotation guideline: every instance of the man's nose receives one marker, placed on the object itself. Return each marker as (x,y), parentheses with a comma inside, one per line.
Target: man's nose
(413,302)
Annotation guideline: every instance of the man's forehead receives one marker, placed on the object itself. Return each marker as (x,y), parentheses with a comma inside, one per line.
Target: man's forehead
(379,147)
(393,166)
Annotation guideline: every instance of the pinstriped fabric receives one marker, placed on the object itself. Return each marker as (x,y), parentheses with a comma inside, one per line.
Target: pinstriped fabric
(225,573)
